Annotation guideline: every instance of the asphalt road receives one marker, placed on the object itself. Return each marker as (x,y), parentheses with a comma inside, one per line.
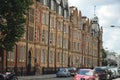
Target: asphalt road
(55,78)
(52,78)
(68,78)
(60,78)
(49,77)
(117,79)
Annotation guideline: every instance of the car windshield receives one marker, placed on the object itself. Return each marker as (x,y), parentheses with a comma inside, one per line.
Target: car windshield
(99,70)
(85,72)
(90,73)
(62,69)
(72,69)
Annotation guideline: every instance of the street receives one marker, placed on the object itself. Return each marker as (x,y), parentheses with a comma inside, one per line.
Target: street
(68,78)
(55,78)
(46,78)
(117,79)
(60,78)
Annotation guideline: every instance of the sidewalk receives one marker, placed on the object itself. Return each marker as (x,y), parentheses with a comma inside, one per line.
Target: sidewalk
(36,77)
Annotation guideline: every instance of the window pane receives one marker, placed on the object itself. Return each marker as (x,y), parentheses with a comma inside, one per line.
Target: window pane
(31,31)
(43,18)
(51,38)
(45,2)
(31,15)
(43,35)
(46,19)
(50,56)
(11,56)
(52,4)
(20,53)
(42,56)
(38,17)
(65,14)
(38,35)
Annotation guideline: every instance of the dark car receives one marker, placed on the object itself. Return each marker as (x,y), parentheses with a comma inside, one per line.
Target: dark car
(72,70)
(102,73)
(1,76)
(115,72)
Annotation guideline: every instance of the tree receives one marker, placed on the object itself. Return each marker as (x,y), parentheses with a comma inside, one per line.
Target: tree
(12,21)
(104,55)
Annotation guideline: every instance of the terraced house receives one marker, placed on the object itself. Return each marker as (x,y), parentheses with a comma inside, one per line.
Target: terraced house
(56,36)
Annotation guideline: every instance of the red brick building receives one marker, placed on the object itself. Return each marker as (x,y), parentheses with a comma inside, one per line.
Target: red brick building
(56,36)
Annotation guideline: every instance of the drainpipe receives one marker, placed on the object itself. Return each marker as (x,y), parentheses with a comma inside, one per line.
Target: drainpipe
(48,36)
(16,60)
(27,39)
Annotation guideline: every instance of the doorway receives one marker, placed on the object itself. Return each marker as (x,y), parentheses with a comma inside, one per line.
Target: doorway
(29,64)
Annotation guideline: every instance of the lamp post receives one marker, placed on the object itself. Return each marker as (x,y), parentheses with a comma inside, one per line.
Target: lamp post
(27,29)
(114,26)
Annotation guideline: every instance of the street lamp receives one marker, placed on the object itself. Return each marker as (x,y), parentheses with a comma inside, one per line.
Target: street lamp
(114,26)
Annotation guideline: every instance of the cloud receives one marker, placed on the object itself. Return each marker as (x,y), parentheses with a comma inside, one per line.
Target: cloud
(109,14)
(111,39)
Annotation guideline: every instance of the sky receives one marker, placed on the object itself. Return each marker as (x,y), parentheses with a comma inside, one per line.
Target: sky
(108,12)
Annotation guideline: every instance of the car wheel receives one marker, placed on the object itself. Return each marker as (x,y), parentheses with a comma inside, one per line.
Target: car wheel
(15,78)
(57,76)
(66,75)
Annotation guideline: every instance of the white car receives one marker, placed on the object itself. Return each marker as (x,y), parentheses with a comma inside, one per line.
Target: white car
(63,72)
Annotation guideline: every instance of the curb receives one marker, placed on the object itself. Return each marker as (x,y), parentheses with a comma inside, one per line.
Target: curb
(36,77)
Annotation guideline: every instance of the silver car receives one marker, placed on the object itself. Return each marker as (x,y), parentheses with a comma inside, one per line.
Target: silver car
(63,72)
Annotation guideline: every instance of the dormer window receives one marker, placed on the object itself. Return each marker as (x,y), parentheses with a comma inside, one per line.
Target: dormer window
(65,13)
(94,21)
(60,10)
(52,5)
(45,2)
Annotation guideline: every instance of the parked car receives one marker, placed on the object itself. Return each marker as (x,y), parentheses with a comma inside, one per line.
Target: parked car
(113,75)
(63,72)
(102,73)
(2,76)
(85,74)
(8,76)
(115,72)
(72,70)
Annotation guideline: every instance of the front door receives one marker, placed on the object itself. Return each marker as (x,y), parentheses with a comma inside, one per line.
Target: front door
(29,64)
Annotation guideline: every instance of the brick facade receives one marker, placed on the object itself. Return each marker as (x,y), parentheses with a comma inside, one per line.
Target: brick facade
(56,38)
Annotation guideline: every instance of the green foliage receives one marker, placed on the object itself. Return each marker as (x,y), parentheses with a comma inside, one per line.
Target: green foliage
(104,63)
(104,55)
(12,21)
